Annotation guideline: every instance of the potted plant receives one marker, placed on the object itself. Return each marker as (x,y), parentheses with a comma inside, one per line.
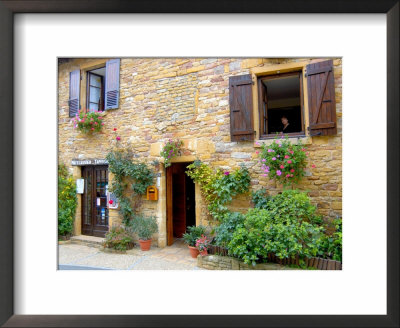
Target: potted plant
(171,149)
(190,237)
(145,227)
(202,245)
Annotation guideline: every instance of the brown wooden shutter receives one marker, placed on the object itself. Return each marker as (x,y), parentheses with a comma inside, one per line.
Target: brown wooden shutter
(74,92)
(241,107)
(321,98)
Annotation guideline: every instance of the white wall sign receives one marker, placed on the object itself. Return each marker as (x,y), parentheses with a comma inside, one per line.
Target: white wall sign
(80,184)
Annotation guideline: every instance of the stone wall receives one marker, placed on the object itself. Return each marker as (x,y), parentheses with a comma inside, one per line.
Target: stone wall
(216,262)
(188,98)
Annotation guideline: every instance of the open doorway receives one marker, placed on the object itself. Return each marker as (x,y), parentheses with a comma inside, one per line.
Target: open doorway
(181,210)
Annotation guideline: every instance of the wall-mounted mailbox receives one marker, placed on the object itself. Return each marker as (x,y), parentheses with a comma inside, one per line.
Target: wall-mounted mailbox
(152,193)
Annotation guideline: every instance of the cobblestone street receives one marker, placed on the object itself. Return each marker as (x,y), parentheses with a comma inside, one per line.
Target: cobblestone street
(82,257)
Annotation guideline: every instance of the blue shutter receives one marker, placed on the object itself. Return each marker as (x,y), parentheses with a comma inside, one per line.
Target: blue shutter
(74,92)
(112,84)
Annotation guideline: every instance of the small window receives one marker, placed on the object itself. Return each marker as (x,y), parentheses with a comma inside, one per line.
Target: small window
(95,89)
(281,104)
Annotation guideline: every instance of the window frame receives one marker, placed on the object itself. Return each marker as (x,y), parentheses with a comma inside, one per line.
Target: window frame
(280,69)
(85,68)
(103,78)
(262,78)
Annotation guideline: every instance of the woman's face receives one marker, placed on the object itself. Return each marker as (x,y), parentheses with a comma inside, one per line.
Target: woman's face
(284,120)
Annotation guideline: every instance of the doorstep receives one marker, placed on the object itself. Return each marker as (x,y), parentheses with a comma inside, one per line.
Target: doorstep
(91,241)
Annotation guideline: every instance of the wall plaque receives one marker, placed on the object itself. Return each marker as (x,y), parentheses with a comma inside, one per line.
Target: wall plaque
(95,161)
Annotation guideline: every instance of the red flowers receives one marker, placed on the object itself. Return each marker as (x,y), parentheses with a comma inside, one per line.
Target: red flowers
(110,202)
(313,166)
(118,138)
(115,129)
(292,170)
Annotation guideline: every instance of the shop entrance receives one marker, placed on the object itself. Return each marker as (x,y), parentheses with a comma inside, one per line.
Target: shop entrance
(94,201)
(181,210)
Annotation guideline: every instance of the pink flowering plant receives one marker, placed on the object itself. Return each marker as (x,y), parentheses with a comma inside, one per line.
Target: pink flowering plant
(283,161)
(170,150)
(88,122)
(202,243)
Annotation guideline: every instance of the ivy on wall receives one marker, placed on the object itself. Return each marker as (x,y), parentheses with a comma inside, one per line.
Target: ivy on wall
(128,176)
(218,186)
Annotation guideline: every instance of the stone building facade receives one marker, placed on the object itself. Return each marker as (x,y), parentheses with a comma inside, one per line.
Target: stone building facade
(192,99)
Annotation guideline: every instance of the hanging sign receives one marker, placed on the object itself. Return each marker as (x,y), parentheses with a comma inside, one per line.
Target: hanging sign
(96,161)
(80,184)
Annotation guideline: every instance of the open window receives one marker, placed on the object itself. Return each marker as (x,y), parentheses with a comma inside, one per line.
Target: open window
(102,88)
(95,89)
(281,104)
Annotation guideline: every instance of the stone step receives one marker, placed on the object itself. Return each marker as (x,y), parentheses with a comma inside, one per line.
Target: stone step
(88,240)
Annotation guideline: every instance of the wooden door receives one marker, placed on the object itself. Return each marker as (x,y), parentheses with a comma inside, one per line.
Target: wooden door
(94,204)
(179,199)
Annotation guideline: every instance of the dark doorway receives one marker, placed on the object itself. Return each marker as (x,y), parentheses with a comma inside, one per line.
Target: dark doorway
(94,201)
(181,211)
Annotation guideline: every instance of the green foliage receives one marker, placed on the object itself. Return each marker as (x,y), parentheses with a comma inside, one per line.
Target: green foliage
(88,122)
(331,244)
(118,238)
(287,226)
(193,233)
(128,173)
(219,187)
(170,150)
(283,161)
(224,232)
(260,198)
(67,201)
(144,226)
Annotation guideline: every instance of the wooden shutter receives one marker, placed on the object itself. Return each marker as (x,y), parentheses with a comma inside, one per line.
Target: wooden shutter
(241,107)
(112,84)
(321,98)
(74,92)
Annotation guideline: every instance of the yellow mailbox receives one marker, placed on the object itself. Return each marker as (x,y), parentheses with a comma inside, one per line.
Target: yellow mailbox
(152,193)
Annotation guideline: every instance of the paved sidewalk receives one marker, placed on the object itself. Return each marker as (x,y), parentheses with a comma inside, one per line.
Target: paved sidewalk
(82,257)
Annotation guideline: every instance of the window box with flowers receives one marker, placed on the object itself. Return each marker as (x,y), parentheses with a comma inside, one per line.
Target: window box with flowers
(88,122)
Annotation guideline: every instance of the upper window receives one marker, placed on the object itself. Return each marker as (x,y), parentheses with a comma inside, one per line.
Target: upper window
(102,88)
(283,103)
(280,104)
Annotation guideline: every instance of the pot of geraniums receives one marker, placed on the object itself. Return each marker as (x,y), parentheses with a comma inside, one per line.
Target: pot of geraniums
(145,227)
(88,121)
(190,237)
(202,244)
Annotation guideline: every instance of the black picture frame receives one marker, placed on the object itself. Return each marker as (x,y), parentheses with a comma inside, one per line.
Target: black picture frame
(7,199)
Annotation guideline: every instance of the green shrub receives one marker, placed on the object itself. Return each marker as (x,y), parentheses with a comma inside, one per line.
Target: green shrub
(118,238)
(67,201)
(144,226)
(260,198)
(193,233)
(224,231)
(331,244)
(286,227)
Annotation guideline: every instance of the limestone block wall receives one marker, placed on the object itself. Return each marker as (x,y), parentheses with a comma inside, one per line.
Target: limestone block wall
(188,98)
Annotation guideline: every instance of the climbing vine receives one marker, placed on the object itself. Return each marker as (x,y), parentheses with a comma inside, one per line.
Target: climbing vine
(128,173)
(218,186)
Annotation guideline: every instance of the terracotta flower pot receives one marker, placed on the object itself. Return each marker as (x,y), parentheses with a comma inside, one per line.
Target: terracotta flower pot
(203,253)
(193,251)
(145,244)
